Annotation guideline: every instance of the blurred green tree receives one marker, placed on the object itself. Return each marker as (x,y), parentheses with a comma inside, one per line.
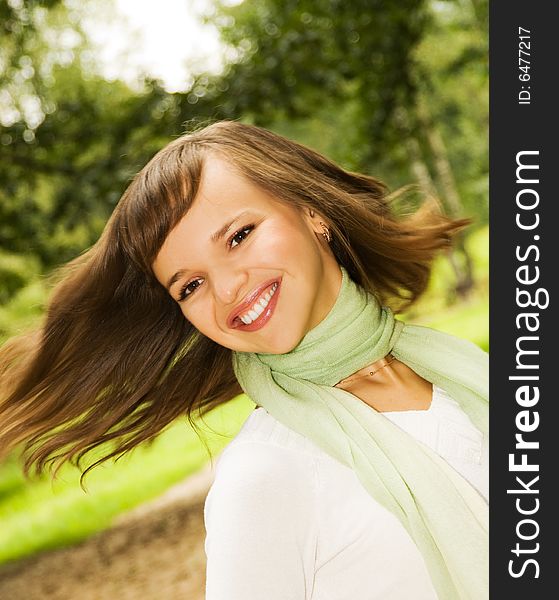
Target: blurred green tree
(70,140)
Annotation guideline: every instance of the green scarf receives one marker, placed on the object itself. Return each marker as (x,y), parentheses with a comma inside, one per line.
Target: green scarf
(444,514)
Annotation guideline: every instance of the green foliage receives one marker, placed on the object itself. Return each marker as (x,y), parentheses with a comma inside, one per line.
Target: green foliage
(19,22)
(453,81)
(60,188)
(24,309)
(294,56)
(15,271)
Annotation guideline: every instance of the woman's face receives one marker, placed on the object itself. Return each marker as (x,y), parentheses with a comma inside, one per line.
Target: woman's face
(248,271)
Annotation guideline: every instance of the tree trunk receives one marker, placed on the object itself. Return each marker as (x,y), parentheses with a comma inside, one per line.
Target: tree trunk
(451,197)
(419,168)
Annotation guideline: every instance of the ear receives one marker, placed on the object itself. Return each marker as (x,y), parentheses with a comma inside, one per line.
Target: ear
(314,220)
(318,225)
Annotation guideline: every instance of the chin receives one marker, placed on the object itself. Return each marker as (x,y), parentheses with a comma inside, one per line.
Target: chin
(284,344)
(279,350)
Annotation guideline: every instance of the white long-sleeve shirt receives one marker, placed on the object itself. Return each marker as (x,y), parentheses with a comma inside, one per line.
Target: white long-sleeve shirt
(285,521)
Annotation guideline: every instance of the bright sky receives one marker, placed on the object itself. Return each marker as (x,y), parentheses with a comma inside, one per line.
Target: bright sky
(165,38)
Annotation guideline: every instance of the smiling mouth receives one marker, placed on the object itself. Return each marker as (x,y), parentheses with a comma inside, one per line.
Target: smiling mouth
(259,307)
(259,312)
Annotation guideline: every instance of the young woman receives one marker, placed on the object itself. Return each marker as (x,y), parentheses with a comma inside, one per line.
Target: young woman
(238,260)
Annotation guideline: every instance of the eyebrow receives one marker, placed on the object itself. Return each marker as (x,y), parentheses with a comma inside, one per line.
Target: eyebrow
(220,233)
(215,237)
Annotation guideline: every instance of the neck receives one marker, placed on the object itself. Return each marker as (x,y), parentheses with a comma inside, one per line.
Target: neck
(356,332)
(369,370)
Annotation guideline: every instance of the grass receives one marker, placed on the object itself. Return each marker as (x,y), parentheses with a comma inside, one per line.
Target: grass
(49,514)
(44,514)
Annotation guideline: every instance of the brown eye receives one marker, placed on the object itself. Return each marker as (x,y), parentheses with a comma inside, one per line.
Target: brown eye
(188,289)
(240,235)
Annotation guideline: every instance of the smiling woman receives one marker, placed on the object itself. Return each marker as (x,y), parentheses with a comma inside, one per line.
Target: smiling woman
(232,282)
(238,260)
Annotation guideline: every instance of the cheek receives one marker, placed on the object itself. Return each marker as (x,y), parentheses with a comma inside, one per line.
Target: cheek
(198,313)
(282,244)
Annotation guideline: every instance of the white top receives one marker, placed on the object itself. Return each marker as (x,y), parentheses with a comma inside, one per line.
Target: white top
(285,521)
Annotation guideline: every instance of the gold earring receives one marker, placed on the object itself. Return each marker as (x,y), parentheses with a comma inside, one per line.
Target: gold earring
(326,232)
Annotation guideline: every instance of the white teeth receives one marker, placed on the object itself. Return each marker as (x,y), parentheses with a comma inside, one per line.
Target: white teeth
(258,308)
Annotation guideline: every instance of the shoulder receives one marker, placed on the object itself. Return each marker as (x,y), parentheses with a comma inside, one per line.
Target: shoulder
(263,502)
(261,529)
(265,465)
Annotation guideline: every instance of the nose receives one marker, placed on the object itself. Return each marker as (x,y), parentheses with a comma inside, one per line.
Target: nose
(227,285)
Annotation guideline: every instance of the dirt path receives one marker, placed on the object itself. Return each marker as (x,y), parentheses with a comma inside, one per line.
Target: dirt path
(153,552)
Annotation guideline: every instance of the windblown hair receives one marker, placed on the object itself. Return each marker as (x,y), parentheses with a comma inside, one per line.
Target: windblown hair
(116,360)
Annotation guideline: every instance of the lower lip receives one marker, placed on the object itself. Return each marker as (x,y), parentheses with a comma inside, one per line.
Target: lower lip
(266,315)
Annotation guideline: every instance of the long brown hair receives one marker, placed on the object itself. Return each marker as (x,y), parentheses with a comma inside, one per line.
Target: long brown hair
(116,360)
